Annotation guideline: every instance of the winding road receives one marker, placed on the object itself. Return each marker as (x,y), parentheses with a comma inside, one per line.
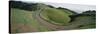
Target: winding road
(47,24)
(51,26)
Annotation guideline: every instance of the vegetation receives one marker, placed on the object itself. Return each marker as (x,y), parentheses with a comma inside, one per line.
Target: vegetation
(87,19)
(58,16)
(23,17)
(23,21)
(91,13)
(23,5)
(50,6)
(67,10)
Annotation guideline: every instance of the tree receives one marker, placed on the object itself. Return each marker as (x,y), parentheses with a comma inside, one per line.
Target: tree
(50,6)
(67,10)
(23,5)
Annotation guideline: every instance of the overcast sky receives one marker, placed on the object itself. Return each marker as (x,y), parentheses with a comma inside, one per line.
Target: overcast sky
(75,7)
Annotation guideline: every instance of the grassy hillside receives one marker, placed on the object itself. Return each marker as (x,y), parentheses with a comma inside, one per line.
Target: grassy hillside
(23,21)
(57,16)
(84,22)
(38,17)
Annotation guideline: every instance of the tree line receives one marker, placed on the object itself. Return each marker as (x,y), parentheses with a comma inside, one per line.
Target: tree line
(91,13)
(23,5)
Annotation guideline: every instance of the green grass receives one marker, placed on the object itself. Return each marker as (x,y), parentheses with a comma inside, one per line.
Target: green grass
(66,11)
(88,26)
(57,16)
(24,21)
(22,18)
(85,21)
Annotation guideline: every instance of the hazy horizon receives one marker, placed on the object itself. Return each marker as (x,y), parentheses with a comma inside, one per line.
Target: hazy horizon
(75,7)
(79,8)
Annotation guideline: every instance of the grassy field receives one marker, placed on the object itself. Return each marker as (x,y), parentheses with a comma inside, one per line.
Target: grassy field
(57,16)
(66,11)
(85,22)
(23,21)
(42,18)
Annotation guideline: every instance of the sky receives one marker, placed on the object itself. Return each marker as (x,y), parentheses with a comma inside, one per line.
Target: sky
(75,7)
(79,8)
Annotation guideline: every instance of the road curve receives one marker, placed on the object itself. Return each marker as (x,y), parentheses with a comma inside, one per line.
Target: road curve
(53,26)
(47,24)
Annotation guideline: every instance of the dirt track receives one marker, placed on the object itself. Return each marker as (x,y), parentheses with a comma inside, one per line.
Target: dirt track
(53,26)
(50,25)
